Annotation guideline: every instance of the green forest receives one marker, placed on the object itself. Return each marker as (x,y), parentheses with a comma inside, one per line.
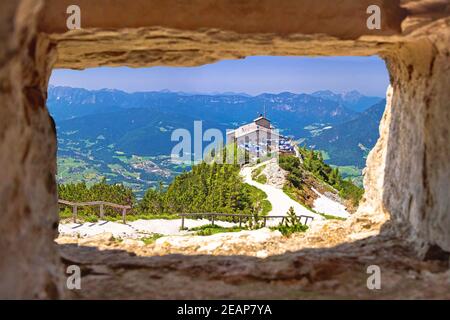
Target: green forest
(207,188)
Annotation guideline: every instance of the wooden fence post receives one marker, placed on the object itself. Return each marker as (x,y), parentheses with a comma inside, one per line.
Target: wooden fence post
(102,213)
(124,213)
(74,213)
(212,219)
(182,222)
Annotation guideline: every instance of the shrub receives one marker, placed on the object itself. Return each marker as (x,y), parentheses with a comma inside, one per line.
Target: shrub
(210,229)
(262,178)
(152,238)
(288,230)
(291,224)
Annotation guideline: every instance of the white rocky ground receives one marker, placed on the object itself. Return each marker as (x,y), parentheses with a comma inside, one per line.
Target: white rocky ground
(135,229)
(279,200)
(328,206)
(219,241)
(216,243)
(276,179)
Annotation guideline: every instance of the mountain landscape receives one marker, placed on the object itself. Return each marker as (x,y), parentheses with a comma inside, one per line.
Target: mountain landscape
(125,137)
(350,142)
(352,100)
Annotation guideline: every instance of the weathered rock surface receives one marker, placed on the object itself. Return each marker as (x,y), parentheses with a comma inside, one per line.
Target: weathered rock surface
(217,243)
(372,214)
(324,262)
(29,263)
(118,270)
(417,169)
(275,175)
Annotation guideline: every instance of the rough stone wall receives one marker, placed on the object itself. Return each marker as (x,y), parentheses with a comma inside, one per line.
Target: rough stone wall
(408,172)
(143,33)
(345,19)
(372,214)
(417,168)
(28,219)
(407,175)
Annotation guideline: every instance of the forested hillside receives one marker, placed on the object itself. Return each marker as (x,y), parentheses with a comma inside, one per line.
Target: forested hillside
(313,172)
(349,143)
(206,188)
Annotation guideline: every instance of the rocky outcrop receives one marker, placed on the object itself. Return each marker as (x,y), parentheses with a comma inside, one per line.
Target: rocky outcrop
(417,167)
(29,265)
(113,270)
(275,175)
(372,214)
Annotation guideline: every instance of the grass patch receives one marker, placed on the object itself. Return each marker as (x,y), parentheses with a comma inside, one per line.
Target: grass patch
(331,217)
(288,230)
(81,215)
(65,214)
(93,217)
(291,193)
(209,229)
(266,207)
(151,239)
(315,165)
(143,216)
(257,172)
(259,197)
(262,178)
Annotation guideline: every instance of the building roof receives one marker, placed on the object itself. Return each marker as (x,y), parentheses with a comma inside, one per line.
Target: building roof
(260,118)
(250,128)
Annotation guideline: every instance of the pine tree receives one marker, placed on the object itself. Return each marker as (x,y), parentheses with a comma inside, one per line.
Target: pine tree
(291,219)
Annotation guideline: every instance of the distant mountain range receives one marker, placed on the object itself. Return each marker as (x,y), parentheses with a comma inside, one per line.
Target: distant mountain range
(352,99)
(348,143)
(106,131)
(286,110)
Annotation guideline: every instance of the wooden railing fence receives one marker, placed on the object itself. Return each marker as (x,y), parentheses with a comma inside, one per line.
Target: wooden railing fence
(100,204)
(240,217)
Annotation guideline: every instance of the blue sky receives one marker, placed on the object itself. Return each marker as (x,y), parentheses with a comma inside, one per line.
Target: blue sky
(252,75)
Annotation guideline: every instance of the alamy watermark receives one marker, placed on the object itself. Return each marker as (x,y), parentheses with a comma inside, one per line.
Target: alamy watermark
(374,280)
(73,281)
(374,20)
(73,21)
